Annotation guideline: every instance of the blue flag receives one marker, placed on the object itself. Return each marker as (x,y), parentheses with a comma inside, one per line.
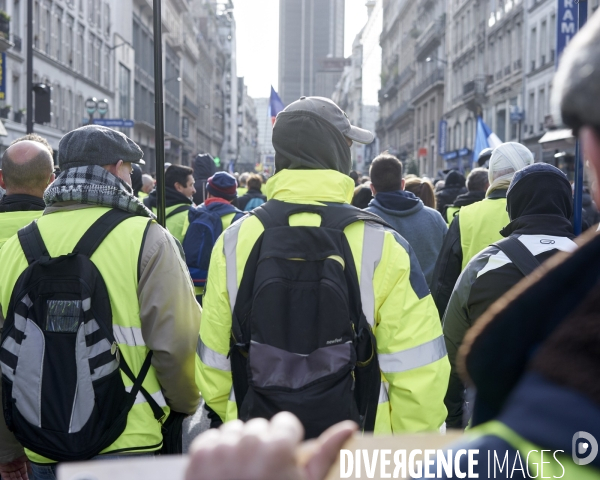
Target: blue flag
(275,105)
(484,138)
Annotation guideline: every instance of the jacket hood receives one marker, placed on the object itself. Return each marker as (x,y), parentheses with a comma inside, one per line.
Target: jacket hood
(468,198)
(455,179)
(304,141)
(204,166)
(310,186)
(400,203)
(539,193)
(172,197)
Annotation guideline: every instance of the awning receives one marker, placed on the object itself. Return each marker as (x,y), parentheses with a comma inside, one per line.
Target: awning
(3,132)
(557,135)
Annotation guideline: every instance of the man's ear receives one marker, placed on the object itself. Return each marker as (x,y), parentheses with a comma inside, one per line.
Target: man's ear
(179,187)
(2,184)
(373,191)
(52,178)
(402,184)
(591,152)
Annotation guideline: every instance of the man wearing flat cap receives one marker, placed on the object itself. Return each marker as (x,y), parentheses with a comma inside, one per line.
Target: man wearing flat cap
(150,293)
(402,386)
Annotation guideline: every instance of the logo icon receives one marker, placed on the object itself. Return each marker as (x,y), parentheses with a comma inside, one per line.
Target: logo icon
(547,241)
(585,448)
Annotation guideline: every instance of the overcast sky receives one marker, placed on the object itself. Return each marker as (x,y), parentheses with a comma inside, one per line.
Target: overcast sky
(258,40)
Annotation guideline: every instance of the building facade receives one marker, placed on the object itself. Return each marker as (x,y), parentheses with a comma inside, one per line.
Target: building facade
(356,91)
(104,49)
(77,46)
(247,131)
(395,127)
(311,47)
(266,151)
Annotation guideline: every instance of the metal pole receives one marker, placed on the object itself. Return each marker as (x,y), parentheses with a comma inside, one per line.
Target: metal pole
(159,123)
(578,194)
(29,66)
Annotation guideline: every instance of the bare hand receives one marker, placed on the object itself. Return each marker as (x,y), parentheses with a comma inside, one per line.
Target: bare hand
(263,450)
(17,469)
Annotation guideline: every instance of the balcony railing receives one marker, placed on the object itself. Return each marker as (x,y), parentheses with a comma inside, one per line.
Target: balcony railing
(477,86)
(430,38)
(399,113)
(430,81)
(4,25)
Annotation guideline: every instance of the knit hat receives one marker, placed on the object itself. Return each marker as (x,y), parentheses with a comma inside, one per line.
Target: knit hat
(96,145)
(506,159)
(222,185)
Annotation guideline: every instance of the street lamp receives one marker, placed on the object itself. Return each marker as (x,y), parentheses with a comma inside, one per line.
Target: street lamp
(431,59)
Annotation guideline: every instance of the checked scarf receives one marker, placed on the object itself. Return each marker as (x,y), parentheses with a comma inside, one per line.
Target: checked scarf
(93,185)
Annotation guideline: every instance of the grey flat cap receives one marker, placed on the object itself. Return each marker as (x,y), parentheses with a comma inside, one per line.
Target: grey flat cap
(96,145)
(576,92)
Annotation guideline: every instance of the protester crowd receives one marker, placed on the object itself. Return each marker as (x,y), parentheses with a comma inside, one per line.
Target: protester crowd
(373,301)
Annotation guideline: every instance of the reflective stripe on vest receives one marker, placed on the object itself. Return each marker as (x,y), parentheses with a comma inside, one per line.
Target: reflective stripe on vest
(532,454)
(211,358)
(230,241)
(414,357)
(372,249)
(480,224)
(118,265)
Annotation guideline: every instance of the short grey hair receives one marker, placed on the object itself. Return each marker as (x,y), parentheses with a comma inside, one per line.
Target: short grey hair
(477,181)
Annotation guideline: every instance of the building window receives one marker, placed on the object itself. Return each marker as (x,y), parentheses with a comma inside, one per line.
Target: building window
(69,42)
(80,50)
(90,66)
(124,91)
(107,19)
(106,67)
(501,123)
(457,136)
(541,109)
(58,35)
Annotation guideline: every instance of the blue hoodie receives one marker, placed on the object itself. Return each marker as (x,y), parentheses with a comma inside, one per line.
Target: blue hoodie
(422,227)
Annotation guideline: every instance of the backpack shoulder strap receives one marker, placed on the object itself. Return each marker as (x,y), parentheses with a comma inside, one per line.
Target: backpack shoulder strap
(275,213)
(182,208)
(32,243)
(518,254)
(92,239)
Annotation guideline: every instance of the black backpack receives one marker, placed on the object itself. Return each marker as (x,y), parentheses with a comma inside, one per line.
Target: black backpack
(62,392)
(300,341)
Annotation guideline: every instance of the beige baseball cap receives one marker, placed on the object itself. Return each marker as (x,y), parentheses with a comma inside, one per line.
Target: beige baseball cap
(329,111)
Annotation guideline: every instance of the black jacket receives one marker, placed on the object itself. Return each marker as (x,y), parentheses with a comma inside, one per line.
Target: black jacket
(21,203)
(540,207)
(242,201)
(488,276)
(449,262)
(172,197)
(591,216)
(464,200)
(454,186)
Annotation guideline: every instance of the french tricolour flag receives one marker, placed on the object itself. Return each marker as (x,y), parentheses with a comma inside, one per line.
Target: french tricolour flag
(484,138)
(275,105)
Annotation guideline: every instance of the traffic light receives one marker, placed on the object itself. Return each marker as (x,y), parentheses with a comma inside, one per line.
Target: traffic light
(43,102)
